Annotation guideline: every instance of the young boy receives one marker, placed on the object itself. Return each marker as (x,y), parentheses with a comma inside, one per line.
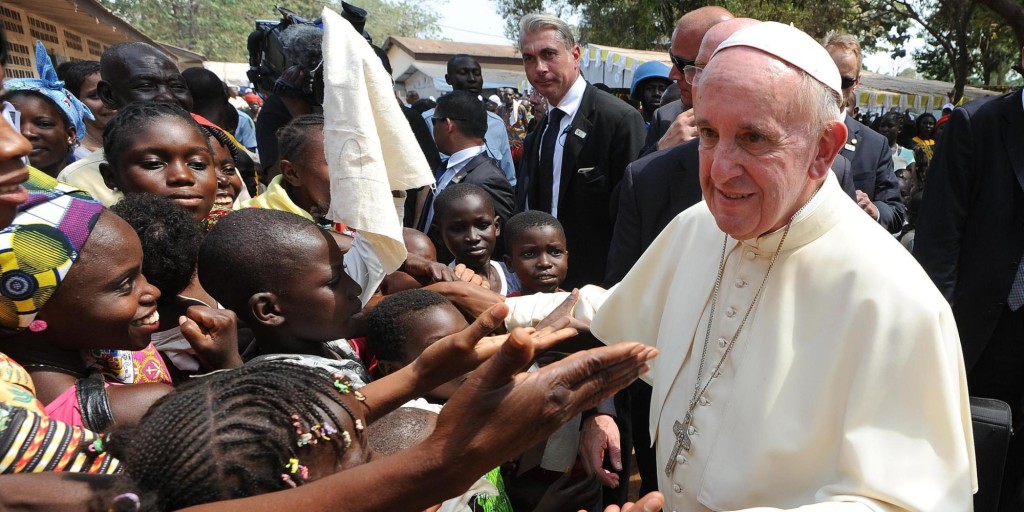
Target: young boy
(403,325)
(470,229)
(536,253)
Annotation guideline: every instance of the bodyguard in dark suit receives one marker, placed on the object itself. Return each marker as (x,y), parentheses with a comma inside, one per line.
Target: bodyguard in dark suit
(868,151)
(873,174)
(571,165)
(460,123)
(970,240)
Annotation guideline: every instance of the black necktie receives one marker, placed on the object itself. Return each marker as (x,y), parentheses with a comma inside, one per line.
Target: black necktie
(428,204)
(545,175)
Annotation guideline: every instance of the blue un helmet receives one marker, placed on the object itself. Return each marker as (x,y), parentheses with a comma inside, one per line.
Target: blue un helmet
(647,71)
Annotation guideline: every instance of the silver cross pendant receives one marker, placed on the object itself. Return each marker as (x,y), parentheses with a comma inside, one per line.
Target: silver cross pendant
(682,442)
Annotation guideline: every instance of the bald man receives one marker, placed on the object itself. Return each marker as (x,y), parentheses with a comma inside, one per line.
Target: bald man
(672,123)
(130,73)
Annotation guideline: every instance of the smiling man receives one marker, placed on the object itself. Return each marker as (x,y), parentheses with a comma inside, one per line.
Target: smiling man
(788,379)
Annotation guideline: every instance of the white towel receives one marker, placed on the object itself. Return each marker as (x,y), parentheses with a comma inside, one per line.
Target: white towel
(369,145)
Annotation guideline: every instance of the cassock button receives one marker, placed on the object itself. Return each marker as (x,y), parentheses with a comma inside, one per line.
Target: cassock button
(676,489)
(704,401)
(740,283)
(692,430)
(751,255)
(722,342)
(731,312)
(680,459)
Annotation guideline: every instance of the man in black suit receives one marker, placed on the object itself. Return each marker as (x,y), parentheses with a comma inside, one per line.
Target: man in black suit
(571,165)
(877,189)
(460,123)
(970,240)
(672,124)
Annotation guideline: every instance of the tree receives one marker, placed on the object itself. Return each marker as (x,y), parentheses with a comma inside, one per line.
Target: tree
(219,29)
(648,24)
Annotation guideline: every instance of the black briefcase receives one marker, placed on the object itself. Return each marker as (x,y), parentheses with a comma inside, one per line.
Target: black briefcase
(993,426)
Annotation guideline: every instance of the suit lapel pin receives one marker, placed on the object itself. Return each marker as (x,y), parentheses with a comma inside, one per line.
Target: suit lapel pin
(852,145)
(580,133)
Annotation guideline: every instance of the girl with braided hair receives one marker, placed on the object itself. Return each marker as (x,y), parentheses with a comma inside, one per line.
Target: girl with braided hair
(158,148)
(268,426)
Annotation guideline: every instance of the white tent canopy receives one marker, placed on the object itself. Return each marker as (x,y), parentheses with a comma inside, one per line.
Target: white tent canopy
(613,66)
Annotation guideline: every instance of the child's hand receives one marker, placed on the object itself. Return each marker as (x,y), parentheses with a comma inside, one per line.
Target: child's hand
(464,274)
(213,334)
(567,494)
(460,353)
(652,502)
(499,413)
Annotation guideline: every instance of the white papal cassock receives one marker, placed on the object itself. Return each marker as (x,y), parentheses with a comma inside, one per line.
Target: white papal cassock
(844,391)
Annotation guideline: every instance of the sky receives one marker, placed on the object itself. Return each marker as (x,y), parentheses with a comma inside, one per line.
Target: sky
(471,21)
(477,21)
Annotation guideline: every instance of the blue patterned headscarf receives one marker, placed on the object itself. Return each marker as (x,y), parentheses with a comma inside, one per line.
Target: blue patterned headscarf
(48,85)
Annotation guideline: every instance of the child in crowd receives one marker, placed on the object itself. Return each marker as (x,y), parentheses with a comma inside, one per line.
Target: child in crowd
(470,229)
(265,427)
(203,338)
(159,149)
(225,158)
(51,117)
(535,243)
(406,323)
(72,283)
(285,278)
(81,79)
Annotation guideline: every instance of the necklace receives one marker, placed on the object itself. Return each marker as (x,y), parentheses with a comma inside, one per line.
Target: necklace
(682,430)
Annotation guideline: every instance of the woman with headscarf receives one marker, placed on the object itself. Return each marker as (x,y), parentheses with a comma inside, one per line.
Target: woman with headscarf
(51,118)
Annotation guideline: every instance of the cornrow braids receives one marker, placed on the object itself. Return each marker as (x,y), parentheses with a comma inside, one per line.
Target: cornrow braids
(132,118)
(292,137)
(234,434)
(222,138)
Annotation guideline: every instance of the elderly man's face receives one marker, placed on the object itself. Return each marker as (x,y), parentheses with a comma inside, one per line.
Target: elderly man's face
(145,75)
(550,66)
(757,155)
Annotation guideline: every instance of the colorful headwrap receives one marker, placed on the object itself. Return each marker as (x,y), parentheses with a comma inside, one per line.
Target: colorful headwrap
(50,86)
(39,247)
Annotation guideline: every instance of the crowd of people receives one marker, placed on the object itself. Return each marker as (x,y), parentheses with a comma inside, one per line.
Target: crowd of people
(186,324)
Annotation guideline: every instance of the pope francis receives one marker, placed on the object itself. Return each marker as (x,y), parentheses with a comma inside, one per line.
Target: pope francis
(806,361)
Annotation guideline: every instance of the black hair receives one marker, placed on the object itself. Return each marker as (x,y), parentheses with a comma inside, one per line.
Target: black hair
(113,57)
(465,110)
(75,73)
(400,429)
(456,193)
(422,105)
(391,322)
(3,46)
(132,118)
(251,251)
(896,117)
(461,56)
(222,138)
(170,240)
(228,435)
(205,86)
(292,137)
(919,121)
(521,222)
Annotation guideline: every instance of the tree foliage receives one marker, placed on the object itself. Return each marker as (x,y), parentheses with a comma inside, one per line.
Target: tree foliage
(218,29)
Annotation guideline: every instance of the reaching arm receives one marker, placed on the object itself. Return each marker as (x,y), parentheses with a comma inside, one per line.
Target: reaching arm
(497,414)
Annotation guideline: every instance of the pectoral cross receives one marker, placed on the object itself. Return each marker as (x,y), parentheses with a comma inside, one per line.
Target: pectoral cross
(682,442)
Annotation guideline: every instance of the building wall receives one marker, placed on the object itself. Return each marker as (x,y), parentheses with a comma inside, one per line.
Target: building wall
(61,42)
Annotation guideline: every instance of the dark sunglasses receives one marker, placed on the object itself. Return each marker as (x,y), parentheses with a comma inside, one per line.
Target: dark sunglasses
(680,63)
(848,82)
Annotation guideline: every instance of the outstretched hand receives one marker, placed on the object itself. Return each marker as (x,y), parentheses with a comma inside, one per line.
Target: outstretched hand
(213,334)
(499,413)
(652,502)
